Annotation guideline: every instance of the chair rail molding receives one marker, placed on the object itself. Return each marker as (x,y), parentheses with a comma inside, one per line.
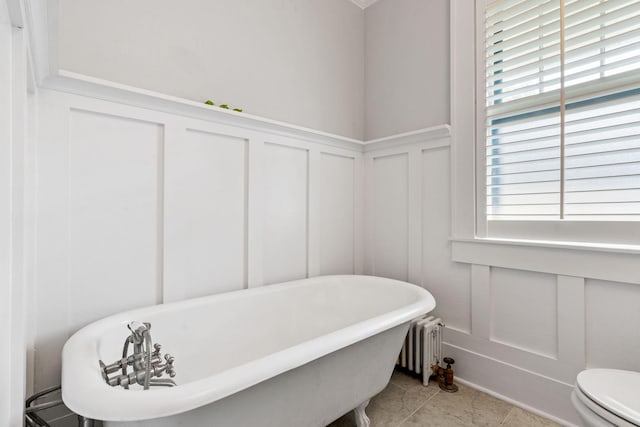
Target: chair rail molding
(66,81)
(433,136)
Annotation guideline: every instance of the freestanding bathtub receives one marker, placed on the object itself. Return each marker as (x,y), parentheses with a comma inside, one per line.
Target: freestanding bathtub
(296,354)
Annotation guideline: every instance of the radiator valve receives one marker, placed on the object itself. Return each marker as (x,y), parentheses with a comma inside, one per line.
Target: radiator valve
(445,376)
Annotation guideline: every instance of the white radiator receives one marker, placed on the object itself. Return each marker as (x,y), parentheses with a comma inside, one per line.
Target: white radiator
(422,347)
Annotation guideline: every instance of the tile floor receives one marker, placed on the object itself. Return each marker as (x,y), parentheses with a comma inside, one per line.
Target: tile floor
(407,403)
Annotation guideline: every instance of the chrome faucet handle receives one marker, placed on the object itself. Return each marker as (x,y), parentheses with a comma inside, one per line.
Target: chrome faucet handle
(146,363)
(169,366)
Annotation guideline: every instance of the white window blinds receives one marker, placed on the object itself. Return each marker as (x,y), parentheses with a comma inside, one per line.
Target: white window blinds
(563,109)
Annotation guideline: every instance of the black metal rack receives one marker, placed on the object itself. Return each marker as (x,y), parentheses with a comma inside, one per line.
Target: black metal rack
(46,409)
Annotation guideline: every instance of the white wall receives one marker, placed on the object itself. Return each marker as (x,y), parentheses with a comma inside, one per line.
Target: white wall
(406,66)
(301,62)
(138,207)
(326,65)
(522,320)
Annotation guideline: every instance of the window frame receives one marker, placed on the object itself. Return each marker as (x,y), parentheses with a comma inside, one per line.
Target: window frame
(559,231)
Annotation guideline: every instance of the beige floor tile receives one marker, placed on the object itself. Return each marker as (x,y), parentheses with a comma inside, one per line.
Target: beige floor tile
(406,381)
(520,418)
(407,403)
(467,407)
(392,406)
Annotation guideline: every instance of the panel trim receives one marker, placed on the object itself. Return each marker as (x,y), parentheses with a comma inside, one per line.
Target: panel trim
(462,113)
(571,321)
(359,214)
(516,403)
(167,132)
(414,215)
(545,395)
(99,89)
(66,81)
(255,209)
(481,301)
(313,212)
(419,136)
(566,261)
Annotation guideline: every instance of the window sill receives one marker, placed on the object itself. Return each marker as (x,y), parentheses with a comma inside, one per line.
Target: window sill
(578,246)
(620,263)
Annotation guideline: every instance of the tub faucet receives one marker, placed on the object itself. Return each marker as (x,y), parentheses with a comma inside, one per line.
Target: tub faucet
(148,365)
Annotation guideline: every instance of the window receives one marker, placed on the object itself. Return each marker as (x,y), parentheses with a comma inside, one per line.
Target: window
(561,133)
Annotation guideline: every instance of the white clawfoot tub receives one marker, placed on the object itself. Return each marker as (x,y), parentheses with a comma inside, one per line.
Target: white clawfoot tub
(295,354)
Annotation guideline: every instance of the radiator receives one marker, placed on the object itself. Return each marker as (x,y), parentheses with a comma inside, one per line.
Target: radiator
(422,347)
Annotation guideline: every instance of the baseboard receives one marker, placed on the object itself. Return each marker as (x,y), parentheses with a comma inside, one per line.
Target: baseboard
(535,393)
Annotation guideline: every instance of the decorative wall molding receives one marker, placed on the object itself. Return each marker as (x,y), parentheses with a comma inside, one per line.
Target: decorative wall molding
(218,207)
(497,378)
(66,81)
(78,84)
(426,135)
(463,161)
(410,187)
(42,19)
(567,260)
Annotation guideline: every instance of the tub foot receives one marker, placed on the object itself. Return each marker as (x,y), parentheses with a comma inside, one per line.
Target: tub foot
(85,422)
(361,418)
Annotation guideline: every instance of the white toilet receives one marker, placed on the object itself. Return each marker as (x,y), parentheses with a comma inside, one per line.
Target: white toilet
(607,397)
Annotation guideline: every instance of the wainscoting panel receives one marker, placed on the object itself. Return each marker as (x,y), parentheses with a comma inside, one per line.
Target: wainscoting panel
(137,206)
(524,310)
(205,214)
(515,325)
(613,325)
(337,214)
(390,210)
(113,214)
(449,282)
(286,173)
